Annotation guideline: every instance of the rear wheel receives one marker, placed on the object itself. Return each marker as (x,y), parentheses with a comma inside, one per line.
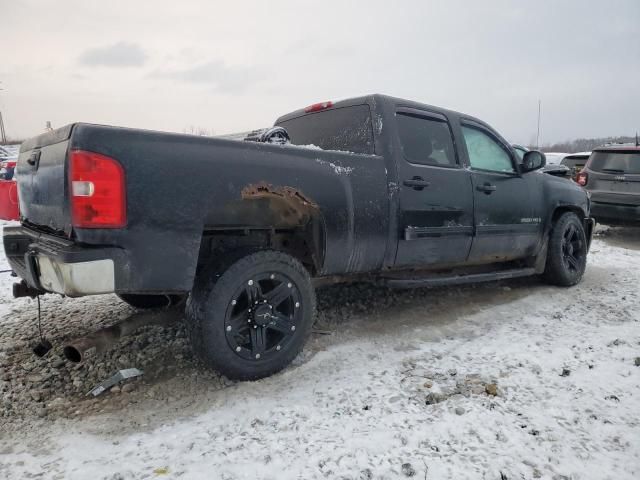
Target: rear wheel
(151,301)
(567,251)
(251,319)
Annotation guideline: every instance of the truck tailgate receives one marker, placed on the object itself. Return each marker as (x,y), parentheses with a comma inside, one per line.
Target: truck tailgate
(42,180)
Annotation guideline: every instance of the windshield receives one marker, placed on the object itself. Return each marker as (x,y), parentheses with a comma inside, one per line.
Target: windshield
(347,129)
(615,162)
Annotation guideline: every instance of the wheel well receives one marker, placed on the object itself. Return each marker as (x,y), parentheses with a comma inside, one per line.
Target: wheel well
(557,213)
(275,217)
(304,244)
(541,257)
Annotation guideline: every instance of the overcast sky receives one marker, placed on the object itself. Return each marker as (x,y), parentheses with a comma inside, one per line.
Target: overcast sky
(235,65)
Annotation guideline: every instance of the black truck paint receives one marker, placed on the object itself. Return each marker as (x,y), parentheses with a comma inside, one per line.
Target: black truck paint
(354,213)
(247,227)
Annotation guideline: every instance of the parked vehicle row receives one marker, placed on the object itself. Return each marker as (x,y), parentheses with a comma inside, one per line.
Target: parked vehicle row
(612,177)
(394,192)
(611,174)
(8,189)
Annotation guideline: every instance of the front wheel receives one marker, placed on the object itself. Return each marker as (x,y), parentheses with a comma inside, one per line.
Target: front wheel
(251,319)
(567,251)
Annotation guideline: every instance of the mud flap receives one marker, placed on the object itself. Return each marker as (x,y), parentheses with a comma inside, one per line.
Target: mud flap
(541,258)
(589,227)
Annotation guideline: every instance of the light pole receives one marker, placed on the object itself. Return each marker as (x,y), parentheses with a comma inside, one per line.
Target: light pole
(538,134)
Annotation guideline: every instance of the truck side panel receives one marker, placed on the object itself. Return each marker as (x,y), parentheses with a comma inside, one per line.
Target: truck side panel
(180,186)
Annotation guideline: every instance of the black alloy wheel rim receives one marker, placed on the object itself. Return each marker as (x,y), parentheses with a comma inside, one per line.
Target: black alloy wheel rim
(573,248)
(263,316)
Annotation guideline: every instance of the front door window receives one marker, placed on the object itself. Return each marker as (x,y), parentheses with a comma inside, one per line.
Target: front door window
(485,153)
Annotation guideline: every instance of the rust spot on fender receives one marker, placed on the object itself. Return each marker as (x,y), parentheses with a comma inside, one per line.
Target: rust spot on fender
(265,190)
(264,205)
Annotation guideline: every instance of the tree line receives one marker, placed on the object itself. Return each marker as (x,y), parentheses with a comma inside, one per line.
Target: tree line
(584,144)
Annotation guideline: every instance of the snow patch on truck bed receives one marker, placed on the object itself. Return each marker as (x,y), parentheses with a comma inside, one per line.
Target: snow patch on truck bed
(340,170)
(311,146)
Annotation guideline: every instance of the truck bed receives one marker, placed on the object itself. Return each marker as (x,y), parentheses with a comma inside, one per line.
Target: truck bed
(179,187)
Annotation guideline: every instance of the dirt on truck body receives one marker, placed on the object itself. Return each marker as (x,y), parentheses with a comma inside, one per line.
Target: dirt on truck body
(373,188)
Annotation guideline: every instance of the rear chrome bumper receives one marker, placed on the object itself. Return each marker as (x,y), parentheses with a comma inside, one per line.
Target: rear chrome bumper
(75,279)
(52,264)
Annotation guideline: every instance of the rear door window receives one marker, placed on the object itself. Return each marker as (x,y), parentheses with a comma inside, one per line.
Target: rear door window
(426,141)
(615,162)
(347,129)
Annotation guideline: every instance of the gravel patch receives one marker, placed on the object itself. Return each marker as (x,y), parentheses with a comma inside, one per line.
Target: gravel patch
(53,387)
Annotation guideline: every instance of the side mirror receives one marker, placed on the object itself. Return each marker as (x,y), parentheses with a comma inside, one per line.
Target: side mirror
(533,160)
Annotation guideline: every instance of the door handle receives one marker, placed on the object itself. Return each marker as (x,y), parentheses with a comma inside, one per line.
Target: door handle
(486,188)
(417,183)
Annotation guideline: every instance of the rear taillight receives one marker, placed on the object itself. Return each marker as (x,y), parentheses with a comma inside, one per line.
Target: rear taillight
(316,107)
(97,191)
(582,179)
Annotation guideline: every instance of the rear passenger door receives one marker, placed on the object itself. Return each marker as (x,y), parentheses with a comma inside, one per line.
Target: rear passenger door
(436,201)
(506,212)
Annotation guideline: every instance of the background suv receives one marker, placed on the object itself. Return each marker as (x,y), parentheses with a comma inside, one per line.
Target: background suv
(612,176)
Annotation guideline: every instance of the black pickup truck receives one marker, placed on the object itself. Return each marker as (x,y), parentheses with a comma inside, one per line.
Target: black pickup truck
(373,189)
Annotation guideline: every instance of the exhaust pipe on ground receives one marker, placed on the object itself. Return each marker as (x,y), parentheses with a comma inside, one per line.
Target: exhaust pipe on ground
(79,349)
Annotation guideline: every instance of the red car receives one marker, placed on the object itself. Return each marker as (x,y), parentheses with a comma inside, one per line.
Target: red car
(9,209)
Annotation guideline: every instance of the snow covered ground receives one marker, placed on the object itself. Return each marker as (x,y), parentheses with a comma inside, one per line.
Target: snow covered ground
(403,387)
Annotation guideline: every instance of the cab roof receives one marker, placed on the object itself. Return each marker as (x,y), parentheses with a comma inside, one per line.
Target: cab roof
(377,98)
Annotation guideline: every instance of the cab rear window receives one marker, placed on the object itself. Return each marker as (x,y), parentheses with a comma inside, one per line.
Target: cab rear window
(615,162)
(348,129)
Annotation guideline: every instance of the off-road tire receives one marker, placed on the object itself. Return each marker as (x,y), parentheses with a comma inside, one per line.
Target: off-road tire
(561,268)
(208,313)
(151,301)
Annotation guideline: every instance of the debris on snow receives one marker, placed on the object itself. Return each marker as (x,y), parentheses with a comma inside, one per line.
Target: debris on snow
(408,470)
(435,397)
(491,389)
(115,379)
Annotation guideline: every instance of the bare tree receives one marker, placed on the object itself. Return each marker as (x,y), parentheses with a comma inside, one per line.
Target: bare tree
(584,144)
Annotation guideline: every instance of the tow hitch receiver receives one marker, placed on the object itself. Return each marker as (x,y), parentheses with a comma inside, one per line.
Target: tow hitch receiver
(23,290)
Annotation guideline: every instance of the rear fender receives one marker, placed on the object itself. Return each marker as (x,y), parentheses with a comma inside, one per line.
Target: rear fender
(285,214)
